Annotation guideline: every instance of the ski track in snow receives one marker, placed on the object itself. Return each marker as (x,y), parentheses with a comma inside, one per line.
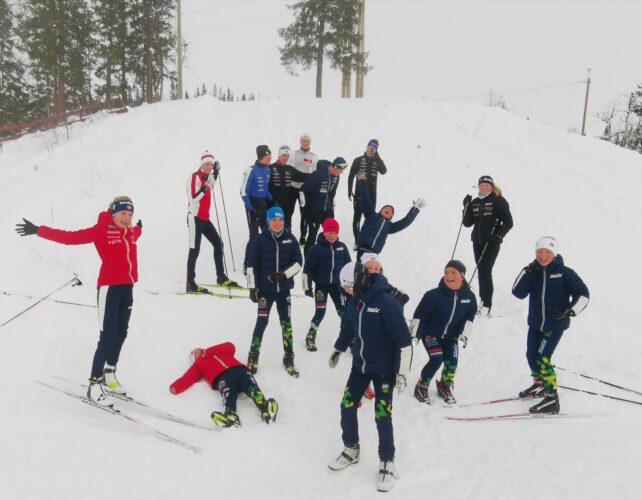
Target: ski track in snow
(581,190)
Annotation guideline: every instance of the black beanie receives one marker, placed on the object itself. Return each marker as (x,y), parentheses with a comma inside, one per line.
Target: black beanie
(486,178)
(457,264)
(262,151)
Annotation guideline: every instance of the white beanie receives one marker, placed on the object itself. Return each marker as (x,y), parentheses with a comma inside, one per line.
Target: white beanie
(547,242)
(207,157)
(346,276)
(367,257)
(283,150)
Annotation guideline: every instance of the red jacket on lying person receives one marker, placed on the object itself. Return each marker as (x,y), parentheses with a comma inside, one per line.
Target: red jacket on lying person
(208,364)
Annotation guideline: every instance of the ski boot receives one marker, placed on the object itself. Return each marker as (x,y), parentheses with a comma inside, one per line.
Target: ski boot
(387,475)
(421,393)
(225,281)
(534,391)
(253,361)
(192,287)
(109,376)
(227,419)
(97,393)
(349,456)
(444,392)
(288,364)
(269,410)
(310,338)
(550,405)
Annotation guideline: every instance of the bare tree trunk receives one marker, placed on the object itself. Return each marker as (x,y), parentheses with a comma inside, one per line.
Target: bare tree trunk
(320,41)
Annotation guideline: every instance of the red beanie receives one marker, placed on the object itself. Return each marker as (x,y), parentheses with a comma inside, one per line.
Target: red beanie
(330,226)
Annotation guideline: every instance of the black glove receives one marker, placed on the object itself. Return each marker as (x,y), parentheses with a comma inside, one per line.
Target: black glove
(496,238)
(217,168)
(350,196)
(277,278)
(309,292)
(26,229)
(467,200)
(254,295)
(140,223)
(534,268)
(400,295)
(567,313)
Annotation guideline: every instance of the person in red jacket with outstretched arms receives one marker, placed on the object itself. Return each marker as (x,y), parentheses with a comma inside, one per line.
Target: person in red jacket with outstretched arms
(115,240)
(223,372)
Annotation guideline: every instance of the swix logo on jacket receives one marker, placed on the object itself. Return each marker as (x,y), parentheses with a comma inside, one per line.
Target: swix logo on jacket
(551,291)
(378,336)
(442,312)
(213,362)
(116,247)
(199,204)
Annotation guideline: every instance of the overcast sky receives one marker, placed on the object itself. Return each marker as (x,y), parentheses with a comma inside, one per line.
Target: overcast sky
(437,50)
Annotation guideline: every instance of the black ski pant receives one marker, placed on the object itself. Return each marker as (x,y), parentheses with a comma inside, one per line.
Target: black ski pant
(383,387)
(358,212)
(235,381)
(256,221)
(315,220)
(197,229)
(114,310)
(283,307)
(321,299)
(485,269)
(286,198)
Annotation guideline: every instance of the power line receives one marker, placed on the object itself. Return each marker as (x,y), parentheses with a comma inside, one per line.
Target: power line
(509,91)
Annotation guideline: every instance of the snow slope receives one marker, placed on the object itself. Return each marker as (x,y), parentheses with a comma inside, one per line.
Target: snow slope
(581,190)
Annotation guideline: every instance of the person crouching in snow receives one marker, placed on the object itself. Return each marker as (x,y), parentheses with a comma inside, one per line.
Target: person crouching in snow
(444,314)
(322,266)
(274,257)
(115,240)
(382,354)
(556,294)
(223,372)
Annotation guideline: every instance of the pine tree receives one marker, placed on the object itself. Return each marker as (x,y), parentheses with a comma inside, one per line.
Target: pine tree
(14,99)
(58,39)
(321,28)
(153,42)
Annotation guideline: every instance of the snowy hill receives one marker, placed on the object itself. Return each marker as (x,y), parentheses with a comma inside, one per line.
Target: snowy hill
(583,191)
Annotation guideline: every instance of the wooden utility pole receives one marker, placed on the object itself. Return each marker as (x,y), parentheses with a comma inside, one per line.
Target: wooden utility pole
(588,84)
(360,73)
(179,52)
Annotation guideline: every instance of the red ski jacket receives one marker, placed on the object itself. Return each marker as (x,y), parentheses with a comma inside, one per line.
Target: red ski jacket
(199,204)
(116,248)
(209,365)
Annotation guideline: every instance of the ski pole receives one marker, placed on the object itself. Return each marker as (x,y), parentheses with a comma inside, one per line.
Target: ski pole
(600,380)
(599,394)
(218,224)
(73,282)
(459,232)
(220,184)
(477,265)
(4,292)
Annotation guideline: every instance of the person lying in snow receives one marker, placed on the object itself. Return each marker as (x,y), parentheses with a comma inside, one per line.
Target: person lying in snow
(223,372)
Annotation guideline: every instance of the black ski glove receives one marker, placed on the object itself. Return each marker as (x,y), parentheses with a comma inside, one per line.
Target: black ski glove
(26,229)
(254,295)
(277,278)
(567,313)
(400,295)
(309,292)
(496,238)
(467,200)
(534,268)
(140,223)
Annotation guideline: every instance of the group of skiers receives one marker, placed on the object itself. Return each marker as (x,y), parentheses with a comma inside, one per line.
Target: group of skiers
(371,309)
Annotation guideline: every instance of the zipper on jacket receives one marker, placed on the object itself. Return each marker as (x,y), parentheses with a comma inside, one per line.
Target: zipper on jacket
(332,268)
(220,361)
(363,365)
(543,299)
(278,289)
(452,313)
(378,233)
(129,261)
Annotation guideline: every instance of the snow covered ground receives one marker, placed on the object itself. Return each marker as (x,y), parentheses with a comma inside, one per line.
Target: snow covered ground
(583,191)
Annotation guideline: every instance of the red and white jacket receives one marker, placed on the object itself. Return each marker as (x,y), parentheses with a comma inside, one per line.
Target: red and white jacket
(209,365)
(199,204)
(116,248)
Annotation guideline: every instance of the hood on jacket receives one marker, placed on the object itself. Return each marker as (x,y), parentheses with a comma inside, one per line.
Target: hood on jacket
(323,165)
(378,285)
